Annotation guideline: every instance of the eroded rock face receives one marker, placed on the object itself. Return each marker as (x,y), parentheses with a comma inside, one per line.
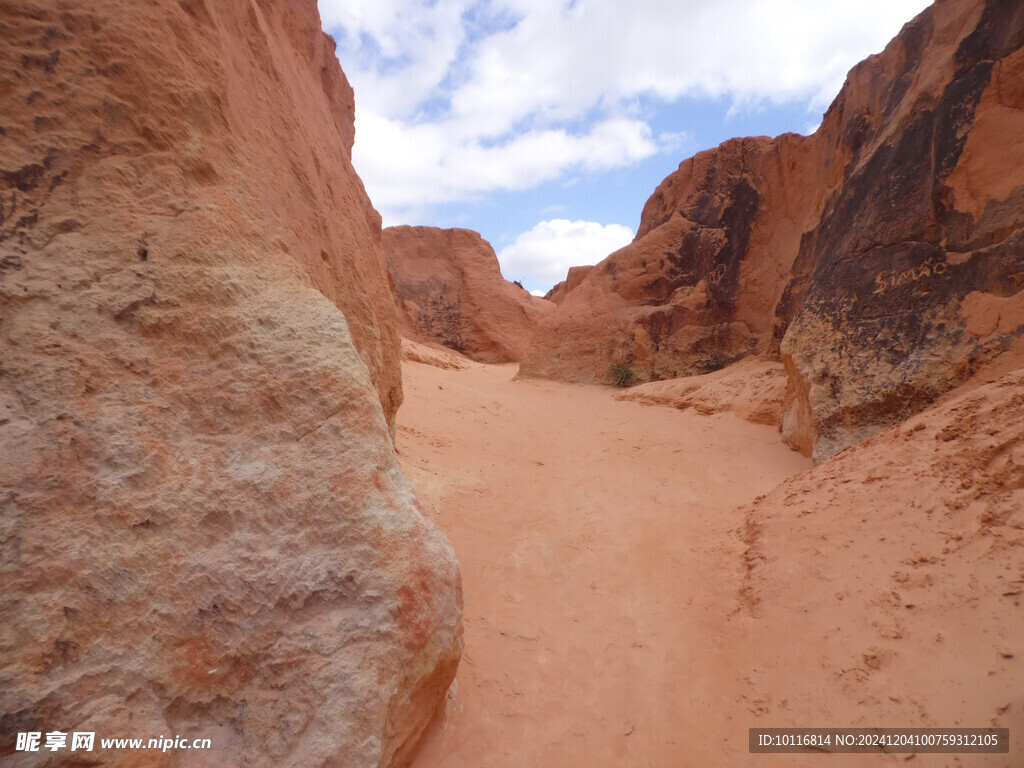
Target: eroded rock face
(881,258)
(924,237)
(205,531)
(449,290)
(572,279)
(697,288)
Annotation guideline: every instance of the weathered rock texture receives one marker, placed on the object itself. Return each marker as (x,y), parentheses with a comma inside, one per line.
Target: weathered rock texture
(205,531)
(697,288)
(572,279)
(864,254)
(449,290)
(926,228)
(435,355)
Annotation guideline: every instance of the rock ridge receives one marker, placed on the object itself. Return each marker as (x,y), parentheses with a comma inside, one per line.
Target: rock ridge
(449,290)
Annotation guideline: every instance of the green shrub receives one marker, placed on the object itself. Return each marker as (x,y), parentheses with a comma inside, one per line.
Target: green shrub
(622,375)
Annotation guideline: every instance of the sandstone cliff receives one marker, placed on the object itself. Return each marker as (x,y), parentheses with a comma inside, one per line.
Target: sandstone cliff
(924,235)
(205,531)
(882,257)
(572,279)
(449,290)
(697,288)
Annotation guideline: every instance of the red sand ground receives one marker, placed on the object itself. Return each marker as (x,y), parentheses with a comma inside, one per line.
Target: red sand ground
(616,615)
(588,531)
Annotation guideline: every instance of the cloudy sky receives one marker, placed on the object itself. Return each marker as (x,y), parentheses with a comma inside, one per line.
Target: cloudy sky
(546,124)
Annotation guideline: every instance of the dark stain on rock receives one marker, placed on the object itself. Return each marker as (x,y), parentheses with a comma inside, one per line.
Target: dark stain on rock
(874,291)
(10,263)
(45,61)
(954,116)
(25,178)
(999,33)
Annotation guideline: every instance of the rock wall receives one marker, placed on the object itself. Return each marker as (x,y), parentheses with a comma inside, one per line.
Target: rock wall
(925,232)
(205,531)
(572,279)
(882,258)
(449,290)
(697,288)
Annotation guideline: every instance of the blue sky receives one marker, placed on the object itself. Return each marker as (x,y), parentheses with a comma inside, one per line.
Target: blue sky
(546,124)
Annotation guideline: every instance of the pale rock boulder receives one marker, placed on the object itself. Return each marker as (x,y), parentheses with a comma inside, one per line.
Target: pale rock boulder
(204,528)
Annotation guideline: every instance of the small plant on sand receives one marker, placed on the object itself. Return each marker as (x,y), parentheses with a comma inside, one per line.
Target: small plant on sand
(622,375)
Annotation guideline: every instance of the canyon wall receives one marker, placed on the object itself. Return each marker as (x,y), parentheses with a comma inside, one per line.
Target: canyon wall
(205,531)
(572,279)
(882,258)
(925,236)
(449,291)
(697,287)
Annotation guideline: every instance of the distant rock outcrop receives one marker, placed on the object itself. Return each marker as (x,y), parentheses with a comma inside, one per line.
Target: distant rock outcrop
(572,279)
(449,290)
(865,255)
(697,288)
(205,531)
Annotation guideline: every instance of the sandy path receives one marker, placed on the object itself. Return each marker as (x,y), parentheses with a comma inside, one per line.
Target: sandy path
(601,569)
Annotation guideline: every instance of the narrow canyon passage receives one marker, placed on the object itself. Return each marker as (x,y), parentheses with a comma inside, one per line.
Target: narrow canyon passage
(602,568)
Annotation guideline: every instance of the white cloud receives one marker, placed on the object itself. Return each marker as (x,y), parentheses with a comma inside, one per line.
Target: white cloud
(396,52)
(407,166)
(542,256)
(461,97)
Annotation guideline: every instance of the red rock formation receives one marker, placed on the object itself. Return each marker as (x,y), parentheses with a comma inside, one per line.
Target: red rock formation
(752,388)
(862,253)
(697,288)
(435,355)
(898,557)
(926,228)
(449,290)
(205,531)
(572,279)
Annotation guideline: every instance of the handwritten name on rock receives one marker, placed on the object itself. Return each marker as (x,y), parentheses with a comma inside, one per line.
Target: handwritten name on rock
(886,279)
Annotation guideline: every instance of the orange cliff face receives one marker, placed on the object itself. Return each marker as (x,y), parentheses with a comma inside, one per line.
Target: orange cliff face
(205,528)
(697,287)
(871,256)
(449,291)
